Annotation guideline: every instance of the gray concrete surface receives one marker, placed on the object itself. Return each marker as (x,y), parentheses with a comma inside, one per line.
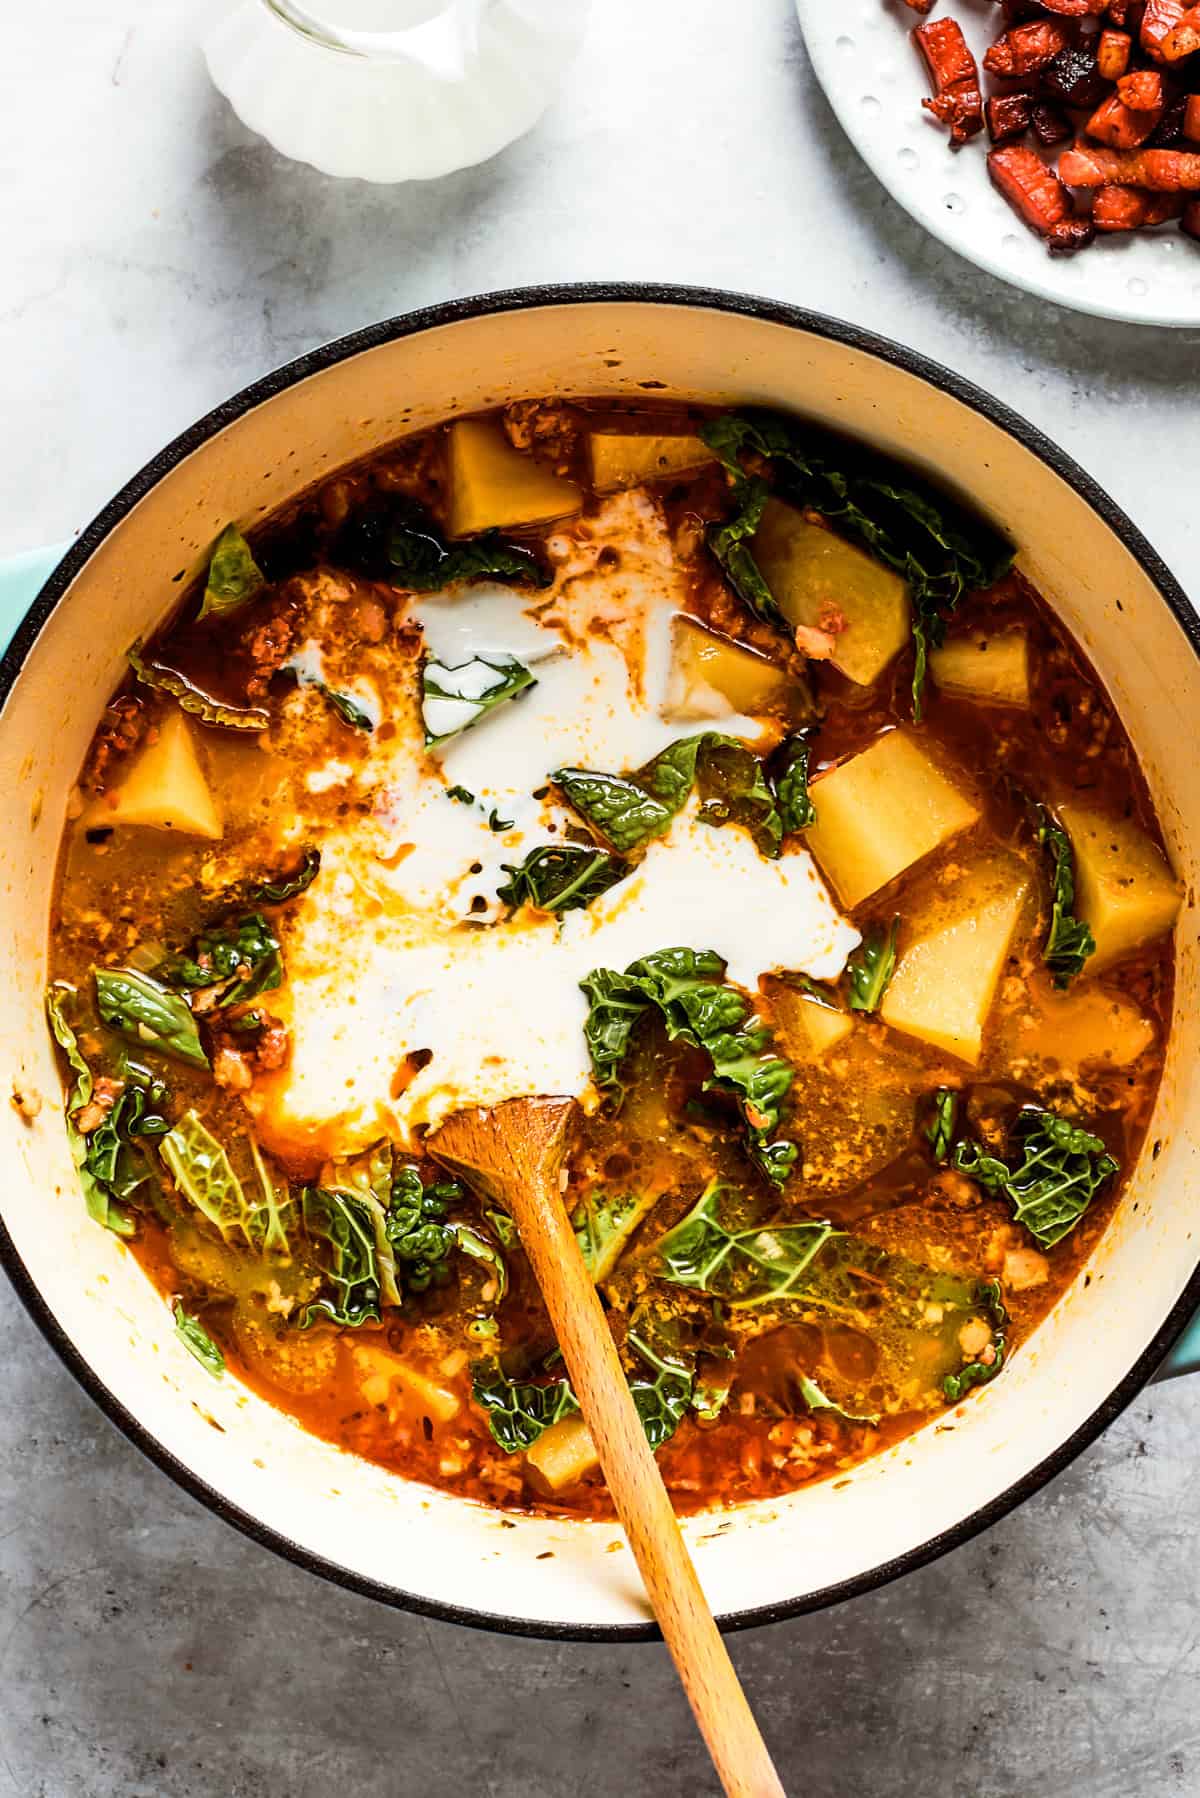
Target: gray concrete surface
(155,256)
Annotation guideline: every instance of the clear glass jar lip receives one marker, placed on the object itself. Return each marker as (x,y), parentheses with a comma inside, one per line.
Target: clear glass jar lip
(456,18)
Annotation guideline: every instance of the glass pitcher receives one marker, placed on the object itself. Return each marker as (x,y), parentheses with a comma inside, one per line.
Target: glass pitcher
(392,90)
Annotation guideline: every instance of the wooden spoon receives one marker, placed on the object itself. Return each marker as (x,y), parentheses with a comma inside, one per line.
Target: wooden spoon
(514,1154)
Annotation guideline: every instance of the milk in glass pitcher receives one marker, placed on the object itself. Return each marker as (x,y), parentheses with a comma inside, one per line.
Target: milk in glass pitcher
(392,90)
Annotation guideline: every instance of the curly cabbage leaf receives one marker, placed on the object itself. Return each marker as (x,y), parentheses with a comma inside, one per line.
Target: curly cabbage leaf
(686,987)
(114,1168)
(747,1266)
(344,1225)
(1052,1171)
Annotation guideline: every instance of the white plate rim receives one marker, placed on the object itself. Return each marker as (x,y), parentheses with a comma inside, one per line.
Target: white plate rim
(821,22)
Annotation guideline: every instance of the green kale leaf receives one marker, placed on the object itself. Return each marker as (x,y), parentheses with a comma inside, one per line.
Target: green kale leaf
(341,704)
(196,1339)
(939,1131)
(279,891)
(561,877)
(234,577)
(736,787)
(453,699)
(240,960)
(939,549)
(747,1266)
(870,967)
(1052,1172)
(152,673)
(617,808)
(687,987)
(141,1008)
(1069,940)
(789,772)
(420,559)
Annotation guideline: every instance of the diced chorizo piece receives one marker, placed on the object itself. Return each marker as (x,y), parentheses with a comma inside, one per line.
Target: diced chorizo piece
(1031,188)
(946,53)
(1026,48)
(1050,126)
(1075,9)
(1142,90)
(1035,191)
(1008,116)
(1191,118)
(1183,39)
(1164,171)
(1190,222)
(954,74)
(920,5)
(1118,12)
(1112,54)
(1073,78)
(1115,123)
(1158,21)
(961,108)
(1120,208)
(124,725)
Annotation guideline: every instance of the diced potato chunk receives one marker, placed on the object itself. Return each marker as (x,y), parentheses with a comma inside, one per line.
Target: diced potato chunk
(629,459)
(945,981)
(816,575)
(993,669)
(561,1456)
(712,676)
(881,812)
(493,485)
(165,787)
(807,1027)
(379,1371)
(1123,886)
(1087,1026)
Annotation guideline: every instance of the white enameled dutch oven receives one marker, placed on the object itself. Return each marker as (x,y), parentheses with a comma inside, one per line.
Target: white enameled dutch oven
(342,1517)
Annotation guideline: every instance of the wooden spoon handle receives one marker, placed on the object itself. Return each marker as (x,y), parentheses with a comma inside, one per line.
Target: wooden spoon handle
(725,1718)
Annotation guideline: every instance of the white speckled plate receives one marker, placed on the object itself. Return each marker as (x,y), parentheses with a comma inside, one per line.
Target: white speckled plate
(874,79)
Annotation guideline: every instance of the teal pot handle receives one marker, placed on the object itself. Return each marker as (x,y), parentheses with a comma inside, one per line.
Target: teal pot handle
(21,578)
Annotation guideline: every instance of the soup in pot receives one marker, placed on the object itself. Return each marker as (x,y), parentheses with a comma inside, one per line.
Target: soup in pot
(698,765)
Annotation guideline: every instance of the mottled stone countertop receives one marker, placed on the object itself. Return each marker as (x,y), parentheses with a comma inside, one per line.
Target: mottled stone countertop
(156,256)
